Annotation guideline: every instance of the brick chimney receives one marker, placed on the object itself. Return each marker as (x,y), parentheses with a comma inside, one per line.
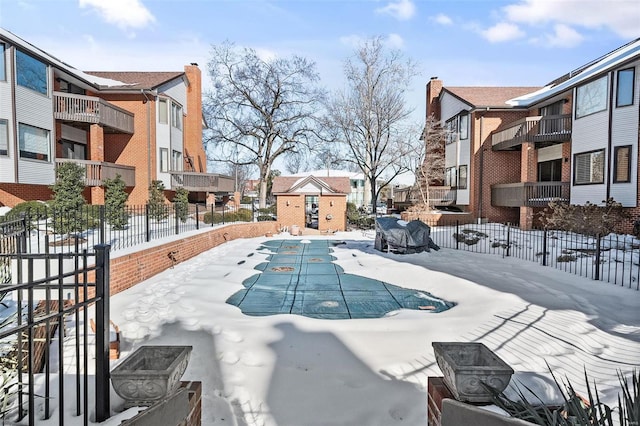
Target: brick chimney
(434,87)
(193,121)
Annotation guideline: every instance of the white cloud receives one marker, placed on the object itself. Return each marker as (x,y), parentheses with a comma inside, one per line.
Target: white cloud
(442,19)
(352,40)
(394,41)
(564,36)
(400,9)
(503,31)
(266,55)
(124,14)
(619,16)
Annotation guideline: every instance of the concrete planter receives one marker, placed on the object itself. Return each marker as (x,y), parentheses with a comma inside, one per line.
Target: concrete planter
(150,374)
(466,365)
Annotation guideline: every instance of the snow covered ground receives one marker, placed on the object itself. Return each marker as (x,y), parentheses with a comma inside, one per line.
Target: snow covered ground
(294,370)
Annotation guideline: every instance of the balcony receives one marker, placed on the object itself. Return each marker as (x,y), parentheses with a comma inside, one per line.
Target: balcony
(96,172)
(438,196)
(89,109)
(202,182)
(542,130)
(528,194)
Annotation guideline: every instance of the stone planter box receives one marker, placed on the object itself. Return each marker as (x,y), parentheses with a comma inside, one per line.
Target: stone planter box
(466,365)
(150,374)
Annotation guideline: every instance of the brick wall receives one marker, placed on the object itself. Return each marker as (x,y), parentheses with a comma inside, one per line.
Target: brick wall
(15,193)
(128,270)
(292,214)
(336,207)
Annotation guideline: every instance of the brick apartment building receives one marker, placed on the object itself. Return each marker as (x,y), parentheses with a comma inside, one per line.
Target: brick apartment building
(576,139)
(143,126)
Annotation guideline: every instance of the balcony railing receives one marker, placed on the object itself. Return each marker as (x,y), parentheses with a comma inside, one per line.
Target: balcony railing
(543,130)
(528,194)
(438,196)
(202,182)
(94,110)
(96,172)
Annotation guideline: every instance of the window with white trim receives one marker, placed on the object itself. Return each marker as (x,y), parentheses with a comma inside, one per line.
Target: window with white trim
(622,164)
(462,177)
(176,115)
(3,72)
(31,73)
(163,111)
(450,177)
(4,138)
(624,88)
(164,160)
(588,168)
(464,126)
(452,130)
(591,97)
(176,157)
(34,143)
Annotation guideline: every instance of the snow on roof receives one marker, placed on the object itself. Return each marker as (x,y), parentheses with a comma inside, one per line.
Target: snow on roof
(331,173)
(601,66)
(25,45)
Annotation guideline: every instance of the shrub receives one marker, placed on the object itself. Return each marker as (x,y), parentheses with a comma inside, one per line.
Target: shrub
(265,218)
(181,202)
(588,219)
(157,208)
(67,198)
(241,215)
(115,199)
(34,211)
(576,410)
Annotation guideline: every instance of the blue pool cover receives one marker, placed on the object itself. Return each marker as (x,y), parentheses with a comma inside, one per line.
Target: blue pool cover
(300,278)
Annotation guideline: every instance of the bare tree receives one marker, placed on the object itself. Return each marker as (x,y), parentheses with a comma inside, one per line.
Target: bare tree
(431,167)
(241,174)
(370,117)
(259,110)
(295,162)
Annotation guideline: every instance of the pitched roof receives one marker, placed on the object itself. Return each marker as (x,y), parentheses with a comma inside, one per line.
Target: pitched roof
(138,79)
(489,96)
(282,184)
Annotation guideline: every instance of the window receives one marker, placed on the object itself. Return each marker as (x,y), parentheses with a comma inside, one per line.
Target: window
(4,138)
(451,127)
(464,126)
(176,158)
(591,97)
(588,168)
(73,150)
(31,73)
(164,160)
(450,177)
(462,177)
(552,109)
(34,143)
(176,116)
(624,89)
(622,164)
(550,171)
(3,75)
(163,112)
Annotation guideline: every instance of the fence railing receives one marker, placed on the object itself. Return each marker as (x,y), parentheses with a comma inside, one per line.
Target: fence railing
(91,109)
(49,298)
(550,128)
(194,181)
(529,194)
(52,230)
(96,172)
(611,258)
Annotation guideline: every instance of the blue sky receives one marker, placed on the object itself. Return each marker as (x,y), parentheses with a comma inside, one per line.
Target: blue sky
(464,42)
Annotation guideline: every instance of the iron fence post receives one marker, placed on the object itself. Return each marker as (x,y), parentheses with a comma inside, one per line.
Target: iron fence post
(25,230)
(102,223)
(508,239)
(197,218)
(597,274)
(223,209)
(175,214)
(457,234)
(213,207)
(544,247)
(146,222)
(103,387)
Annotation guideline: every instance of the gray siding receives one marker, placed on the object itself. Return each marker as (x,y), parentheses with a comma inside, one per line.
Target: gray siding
(36,110)
(176,89)
(589,133)
(624,131)
(450,106)
(7,168)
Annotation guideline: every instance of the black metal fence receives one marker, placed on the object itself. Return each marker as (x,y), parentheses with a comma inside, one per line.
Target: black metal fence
(50,230)
(51,365)
(612,258)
